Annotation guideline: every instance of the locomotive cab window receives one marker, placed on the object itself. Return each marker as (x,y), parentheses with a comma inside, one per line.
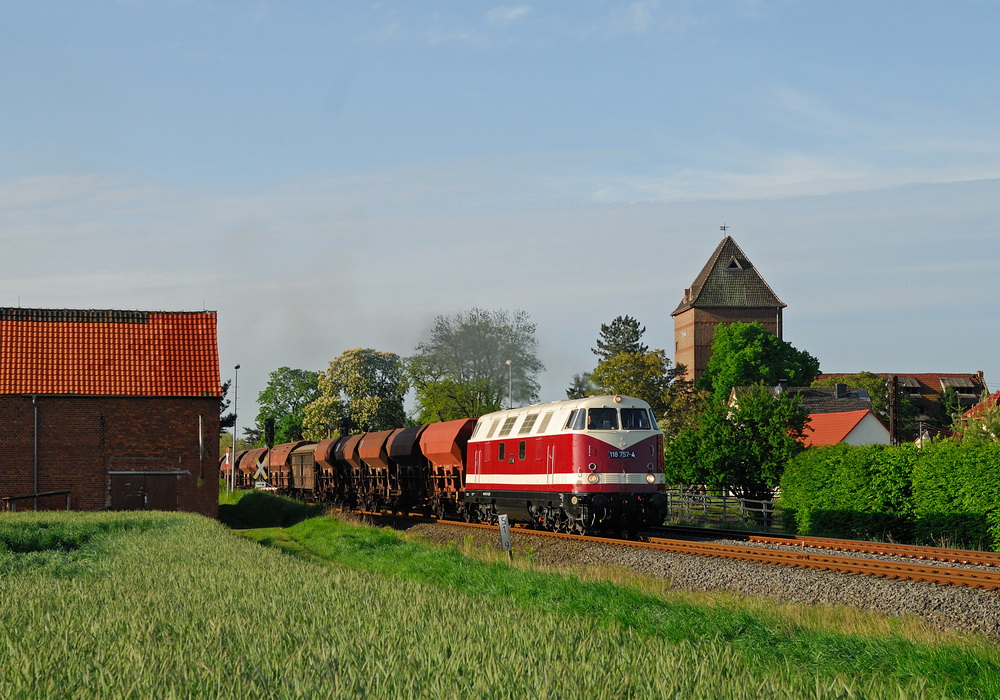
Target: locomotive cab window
(602,419)
(577,420)
(635,419)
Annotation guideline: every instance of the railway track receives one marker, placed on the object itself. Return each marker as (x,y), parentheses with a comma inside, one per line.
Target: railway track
(963,557)
(906,571)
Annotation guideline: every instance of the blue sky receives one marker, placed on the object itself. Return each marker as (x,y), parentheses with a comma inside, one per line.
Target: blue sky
(328,175)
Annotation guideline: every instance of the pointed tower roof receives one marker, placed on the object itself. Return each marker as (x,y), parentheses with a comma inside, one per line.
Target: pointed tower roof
(729,279)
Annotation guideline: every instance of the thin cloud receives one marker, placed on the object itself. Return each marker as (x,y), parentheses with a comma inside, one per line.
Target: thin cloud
(505,16)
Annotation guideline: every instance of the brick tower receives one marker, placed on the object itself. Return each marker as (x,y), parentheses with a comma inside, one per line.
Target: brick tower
(727,290)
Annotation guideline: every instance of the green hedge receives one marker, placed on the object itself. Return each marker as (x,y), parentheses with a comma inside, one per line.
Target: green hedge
(946,494)
(855,492)
(956,490)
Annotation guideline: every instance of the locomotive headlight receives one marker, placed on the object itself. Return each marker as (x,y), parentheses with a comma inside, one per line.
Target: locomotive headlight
(593,478)
(650,478)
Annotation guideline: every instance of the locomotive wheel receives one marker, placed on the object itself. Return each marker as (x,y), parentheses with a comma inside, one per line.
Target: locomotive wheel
(553,520)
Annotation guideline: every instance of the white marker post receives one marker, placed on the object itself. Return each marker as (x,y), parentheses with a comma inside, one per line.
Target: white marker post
(504,523)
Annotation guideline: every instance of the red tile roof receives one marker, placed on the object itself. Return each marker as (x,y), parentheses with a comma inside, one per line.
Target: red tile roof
(831,428)
(108,353)
(980,408)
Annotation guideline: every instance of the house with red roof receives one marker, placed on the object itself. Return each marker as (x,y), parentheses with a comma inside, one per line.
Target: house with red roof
(983,406)
(925,391)
(107,409)
(848,427)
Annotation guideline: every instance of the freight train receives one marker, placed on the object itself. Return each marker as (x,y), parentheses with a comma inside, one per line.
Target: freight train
(579,465)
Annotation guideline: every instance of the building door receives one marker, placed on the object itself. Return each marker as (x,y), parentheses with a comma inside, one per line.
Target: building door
(144,490)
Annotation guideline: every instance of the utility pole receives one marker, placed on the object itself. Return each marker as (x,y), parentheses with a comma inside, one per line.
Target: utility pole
(894,410)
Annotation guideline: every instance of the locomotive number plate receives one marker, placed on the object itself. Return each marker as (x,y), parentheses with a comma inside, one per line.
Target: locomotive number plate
(621,454)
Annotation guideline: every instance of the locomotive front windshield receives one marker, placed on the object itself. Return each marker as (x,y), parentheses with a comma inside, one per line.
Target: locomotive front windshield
(635,419)
(607,419)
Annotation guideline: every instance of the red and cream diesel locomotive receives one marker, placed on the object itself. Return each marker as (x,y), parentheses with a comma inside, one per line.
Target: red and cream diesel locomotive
(571,466)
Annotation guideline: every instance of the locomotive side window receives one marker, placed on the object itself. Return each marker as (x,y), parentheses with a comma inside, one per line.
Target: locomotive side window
(493,429)
(503,451)
(508,425)
(522,449)
(577,420)
(528,424)
(635,419)
(602,419)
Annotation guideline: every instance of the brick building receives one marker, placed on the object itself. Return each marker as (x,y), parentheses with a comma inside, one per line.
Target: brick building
(926,391)
(118,408)
(727,290)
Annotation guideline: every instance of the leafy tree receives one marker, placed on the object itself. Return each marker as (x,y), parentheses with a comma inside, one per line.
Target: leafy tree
(983,426)
(284,400)
(627,366)
(623,335)
(580,387)
(473,362)
(949,407)
(362,388)
(645,375)
(746,353)
(743,448)
(684,405)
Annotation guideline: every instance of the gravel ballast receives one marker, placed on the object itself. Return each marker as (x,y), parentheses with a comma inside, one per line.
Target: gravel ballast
(943,607)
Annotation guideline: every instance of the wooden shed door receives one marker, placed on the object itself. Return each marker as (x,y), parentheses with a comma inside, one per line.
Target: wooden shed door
(144,491)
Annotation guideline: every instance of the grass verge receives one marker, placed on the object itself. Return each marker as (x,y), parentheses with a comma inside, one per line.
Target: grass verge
(139,605)
(757,642)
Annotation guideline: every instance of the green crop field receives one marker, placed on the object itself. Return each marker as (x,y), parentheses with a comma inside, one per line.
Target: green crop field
(152,605)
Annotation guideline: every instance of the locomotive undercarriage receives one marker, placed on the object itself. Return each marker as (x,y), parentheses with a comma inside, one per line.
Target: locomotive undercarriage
(579,513)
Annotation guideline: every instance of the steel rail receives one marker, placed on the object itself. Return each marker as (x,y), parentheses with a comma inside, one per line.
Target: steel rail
(908,571)
(954,556)
(966,557)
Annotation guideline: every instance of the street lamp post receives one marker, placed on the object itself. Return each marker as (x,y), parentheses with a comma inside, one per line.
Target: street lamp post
(236,406)
(510,385)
